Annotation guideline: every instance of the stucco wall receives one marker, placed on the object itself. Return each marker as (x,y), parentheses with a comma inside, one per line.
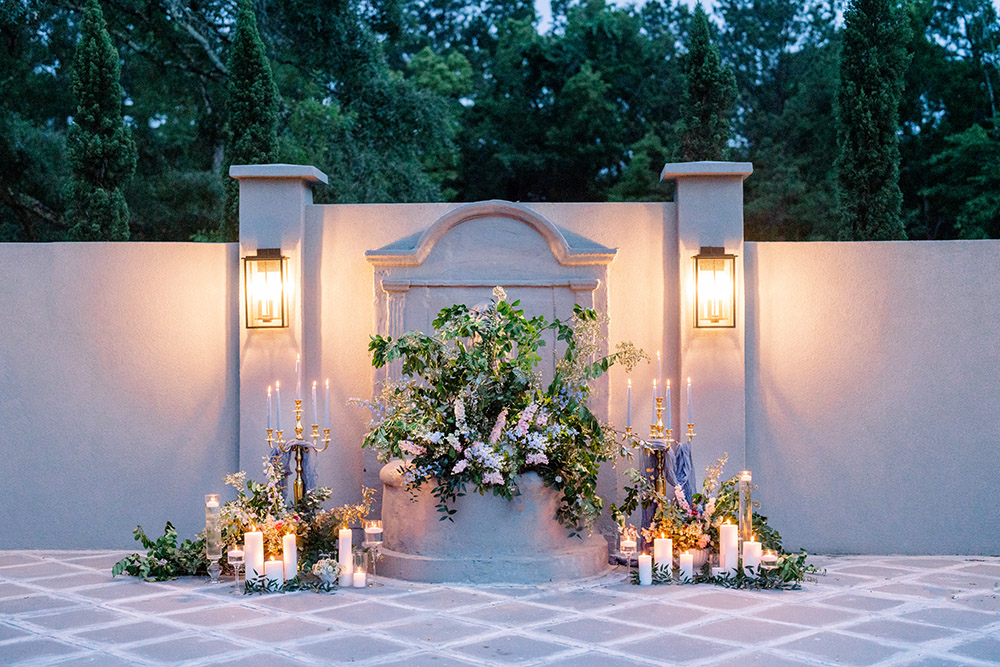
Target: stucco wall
(873,405)
(118,389)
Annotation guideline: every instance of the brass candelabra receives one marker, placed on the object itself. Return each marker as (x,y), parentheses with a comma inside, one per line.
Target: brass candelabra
(660,440)
(275,438)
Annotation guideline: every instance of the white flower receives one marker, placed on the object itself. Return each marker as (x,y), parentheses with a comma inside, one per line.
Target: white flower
(493,478)
(498,427)
(499,293)
(536,459)
(411,448)
(459,467)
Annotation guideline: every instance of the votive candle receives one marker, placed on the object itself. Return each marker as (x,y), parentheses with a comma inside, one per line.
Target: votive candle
(253,553)
(645,570)
(687,565)
(359,579)
(290,556)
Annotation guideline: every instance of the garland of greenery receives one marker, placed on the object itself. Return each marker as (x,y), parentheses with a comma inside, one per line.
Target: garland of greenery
(787,575)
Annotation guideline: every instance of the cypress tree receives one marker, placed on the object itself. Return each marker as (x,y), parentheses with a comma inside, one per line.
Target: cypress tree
(99,147)
(709,95)
(873,60)
(253,111)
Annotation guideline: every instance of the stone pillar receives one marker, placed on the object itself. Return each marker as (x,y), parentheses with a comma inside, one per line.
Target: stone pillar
(710,213)
(273,201)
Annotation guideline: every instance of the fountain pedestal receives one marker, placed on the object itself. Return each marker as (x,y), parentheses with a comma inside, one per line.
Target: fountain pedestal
(490,540)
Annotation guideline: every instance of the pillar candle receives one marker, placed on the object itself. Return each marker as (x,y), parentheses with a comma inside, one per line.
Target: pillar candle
(667,404)
(687,565)
(274,573)
(253,553)
(628,412)
(298,377)
(269,406)
(729,547)
(645,570)
(345,545)
(290,556)
(751,555)
(315,413)
(359,579)
(690,411)
(663,552)
(277,403)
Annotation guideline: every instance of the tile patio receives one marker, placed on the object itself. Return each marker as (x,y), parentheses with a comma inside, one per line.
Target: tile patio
(64,608)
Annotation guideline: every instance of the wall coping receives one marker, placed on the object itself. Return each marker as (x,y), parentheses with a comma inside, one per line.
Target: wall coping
(705,168)
(304,172)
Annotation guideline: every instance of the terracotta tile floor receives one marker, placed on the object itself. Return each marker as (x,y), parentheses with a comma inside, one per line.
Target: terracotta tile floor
(64,608)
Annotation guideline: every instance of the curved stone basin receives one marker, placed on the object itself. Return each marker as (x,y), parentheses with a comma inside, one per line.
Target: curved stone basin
(490,540)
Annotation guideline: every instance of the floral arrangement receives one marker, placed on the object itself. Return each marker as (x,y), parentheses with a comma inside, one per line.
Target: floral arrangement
(257,504)
(471,412)
(691,525)
(327,569)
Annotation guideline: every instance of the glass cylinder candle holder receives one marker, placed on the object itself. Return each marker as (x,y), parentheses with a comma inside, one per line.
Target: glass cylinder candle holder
(236,559)
(213,535)
(360,566)
(746,506)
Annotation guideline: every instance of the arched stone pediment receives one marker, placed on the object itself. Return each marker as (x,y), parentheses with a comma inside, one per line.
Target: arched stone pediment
(567,249)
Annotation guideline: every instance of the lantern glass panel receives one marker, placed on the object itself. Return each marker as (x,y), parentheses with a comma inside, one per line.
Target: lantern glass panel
(716,291)
(266,306)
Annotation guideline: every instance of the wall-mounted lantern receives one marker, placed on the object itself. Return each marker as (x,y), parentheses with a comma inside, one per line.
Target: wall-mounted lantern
(715,288)
(266,277)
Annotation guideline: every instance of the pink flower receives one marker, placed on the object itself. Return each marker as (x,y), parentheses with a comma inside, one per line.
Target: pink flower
(493,478)
(536,459)
(459,467)
(498,427)
(681,499)
(703,541)
(411,448)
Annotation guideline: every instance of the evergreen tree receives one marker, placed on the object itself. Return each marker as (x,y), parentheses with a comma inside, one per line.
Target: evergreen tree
(709,94)
(99,147)
(253,111)
(873,61)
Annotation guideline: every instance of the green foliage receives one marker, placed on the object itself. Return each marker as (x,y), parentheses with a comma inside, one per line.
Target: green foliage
(787,575)
(253,110)
(99,146)
(298,583)
(709,95)
(164,558)
(873,62)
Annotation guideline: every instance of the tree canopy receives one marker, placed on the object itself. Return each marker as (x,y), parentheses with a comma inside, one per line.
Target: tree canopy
(461,100)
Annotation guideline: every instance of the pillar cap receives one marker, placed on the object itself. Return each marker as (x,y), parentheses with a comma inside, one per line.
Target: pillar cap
(303,172)
(705,168)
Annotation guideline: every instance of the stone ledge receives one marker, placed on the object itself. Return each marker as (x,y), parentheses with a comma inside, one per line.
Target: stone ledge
(588,559)
(303,172)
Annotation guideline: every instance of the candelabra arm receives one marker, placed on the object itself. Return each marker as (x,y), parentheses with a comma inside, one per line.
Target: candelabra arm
(690,433)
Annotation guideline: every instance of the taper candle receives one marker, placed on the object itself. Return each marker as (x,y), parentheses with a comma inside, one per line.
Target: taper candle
(666,404)
(645,570)
(277,403)
(253,553)
(659,369)
(327,420)
(652,419)
(628,412)
(269,406)
(690,412)
(315,413)
(298,377)
(290,556)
